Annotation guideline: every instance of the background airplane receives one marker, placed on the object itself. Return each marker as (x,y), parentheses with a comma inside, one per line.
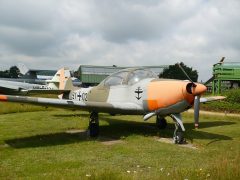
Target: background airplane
(58,84)
(133,91)
(32,76)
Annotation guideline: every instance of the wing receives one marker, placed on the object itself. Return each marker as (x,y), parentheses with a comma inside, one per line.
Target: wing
(60,83)
(211,98)
(15,88)
(9,87)
(6,86)
(122,108)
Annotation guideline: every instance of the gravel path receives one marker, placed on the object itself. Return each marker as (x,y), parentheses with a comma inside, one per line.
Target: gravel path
(215,113)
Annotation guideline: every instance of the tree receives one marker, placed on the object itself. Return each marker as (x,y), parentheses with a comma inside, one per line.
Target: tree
(4,74)
(14,72)
(174,72)
(76,74)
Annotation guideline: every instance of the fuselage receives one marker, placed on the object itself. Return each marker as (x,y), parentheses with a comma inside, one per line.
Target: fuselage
(165,96)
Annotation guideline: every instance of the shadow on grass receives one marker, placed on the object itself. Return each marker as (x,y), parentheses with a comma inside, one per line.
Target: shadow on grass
(72,115)
(47,140)
(125,128)
(118,129)
(192,133)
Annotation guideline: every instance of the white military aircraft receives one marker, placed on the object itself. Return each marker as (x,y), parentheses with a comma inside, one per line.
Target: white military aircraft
(134,91)
(59,83)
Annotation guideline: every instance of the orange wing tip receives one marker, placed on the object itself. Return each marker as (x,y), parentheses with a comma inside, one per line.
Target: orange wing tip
(3,98)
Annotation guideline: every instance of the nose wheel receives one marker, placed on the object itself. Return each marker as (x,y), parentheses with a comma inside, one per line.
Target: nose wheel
(178,135)
(93,125)
(179,128)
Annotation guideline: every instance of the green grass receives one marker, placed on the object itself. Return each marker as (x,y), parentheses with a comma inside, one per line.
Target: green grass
(6,108)
(36,145)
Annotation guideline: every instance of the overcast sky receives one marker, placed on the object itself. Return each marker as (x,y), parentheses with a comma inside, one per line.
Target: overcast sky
(50,34)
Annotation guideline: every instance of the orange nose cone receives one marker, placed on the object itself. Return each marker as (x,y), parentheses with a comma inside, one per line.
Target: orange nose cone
(199,89)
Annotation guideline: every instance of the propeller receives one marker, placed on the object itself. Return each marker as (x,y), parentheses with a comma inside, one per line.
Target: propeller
(192,89)
(197,98)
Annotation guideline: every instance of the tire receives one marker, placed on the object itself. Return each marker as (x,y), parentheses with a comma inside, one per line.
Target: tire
(161,122)
(178,138)
(93,129)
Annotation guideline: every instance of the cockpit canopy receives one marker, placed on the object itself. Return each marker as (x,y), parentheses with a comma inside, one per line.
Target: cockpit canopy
(128,77)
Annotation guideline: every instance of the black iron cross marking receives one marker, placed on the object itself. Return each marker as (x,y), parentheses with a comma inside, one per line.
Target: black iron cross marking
(79,96)
(138,91)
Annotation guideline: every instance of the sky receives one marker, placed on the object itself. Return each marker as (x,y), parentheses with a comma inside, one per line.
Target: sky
(50,34)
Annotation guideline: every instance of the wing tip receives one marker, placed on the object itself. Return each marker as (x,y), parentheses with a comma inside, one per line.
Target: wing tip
(220,97)
(3,98)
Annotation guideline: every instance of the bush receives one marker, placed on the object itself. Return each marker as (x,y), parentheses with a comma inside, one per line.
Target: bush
(231,104)
(233,96)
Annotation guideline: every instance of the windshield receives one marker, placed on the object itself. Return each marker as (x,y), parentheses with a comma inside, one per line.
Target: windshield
(116,79)
(140,74)
(129,76)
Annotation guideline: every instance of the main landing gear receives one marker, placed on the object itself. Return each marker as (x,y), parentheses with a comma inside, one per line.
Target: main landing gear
(161,122)
(179,128)
(93,125)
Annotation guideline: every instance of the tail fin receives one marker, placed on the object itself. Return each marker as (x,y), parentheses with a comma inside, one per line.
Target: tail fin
(22,68)
(27,73)
(61,80)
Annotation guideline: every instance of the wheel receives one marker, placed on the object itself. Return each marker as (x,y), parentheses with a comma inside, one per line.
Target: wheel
(161,122)
(93,125)
(178,138)
(94,129)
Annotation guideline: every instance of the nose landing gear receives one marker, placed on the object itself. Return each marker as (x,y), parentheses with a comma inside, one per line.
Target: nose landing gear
(179,128)
(178,135)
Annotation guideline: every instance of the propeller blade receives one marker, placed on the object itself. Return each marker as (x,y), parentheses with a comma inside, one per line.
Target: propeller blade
(179,65)
(196,111)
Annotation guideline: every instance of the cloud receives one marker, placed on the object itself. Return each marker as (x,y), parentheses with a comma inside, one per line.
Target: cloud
(51,34)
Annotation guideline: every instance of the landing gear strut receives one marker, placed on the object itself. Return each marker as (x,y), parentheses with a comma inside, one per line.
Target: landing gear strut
(93,125)
(179,128)
(178,135)
(161,122)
